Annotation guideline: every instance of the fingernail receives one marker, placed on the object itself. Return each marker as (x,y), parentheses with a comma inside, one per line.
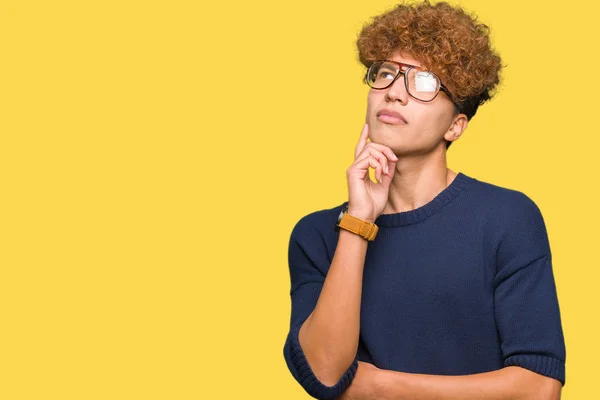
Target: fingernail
(386,170)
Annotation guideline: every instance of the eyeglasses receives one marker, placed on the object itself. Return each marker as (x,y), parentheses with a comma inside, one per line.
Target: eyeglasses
(420,84)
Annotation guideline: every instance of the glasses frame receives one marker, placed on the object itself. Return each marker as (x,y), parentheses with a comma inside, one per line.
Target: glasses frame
(401,72)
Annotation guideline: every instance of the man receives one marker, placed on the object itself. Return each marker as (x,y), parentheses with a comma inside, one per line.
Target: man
(431,284)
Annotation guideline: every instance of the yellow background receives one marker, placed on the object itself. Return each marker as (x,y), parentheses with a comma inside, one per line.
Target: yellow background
(155,156)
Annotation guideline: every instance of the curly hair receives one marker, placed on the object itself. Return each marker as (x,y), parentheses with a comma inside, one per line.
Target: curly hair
(446,40)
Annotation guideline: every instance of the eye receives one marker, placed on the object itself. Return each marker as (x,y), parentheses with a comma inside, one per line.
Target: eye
(425,82)
(385,74)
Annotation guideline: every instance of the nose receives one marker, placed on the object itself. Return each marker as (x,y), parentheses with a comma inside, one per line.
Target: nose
(397,91)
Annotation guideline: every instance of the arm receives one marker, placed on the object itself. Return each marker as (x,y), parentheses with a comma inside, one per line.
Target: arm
(508,383)
(321,347)
(526,305)
(329,337)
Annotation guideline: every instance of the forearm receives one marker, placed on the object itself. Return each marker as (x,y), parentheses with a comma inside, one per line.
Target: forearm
(509,383)
(329,336)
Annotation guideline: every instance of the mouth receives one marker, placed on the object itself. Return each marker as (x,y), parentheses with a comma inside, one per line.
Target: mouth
(391,117)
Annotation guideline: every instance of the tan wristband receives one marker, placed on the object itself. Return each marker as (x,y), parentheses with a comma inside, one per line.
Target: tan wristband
(365,229)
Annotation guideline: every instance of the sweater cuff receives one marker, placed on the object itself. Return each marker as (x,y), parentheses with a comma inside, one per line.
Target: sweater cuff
(544,365)
(308,379)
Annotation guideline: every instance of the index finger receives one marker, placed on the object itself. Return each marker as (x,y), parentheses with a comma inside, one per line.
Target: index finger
(362,141)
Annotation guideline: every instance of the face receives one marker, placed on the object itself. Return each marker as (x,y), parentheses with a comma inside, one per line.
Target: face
(427,123)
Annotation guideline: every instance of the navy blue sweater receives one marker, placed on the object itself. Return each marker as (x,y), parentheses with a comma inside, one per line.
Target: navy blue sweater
(461,285)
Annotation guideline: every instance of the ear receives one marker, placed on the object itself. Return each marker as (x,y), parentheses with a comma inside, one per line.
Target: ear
(459,124)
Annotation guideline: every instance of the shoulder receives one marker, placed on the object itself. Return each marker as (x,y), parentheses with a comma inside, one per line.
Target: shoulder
(317,223)
(514,223)
(506,204)
(314,238)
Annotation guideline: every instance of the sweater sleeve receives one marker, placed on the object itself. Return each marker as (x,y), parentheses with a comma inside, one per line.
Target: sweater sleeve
(307,274)
(525,296)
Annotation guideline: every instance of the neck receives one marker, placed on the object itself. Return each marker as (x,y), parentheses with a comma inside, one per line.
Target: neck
(416,182)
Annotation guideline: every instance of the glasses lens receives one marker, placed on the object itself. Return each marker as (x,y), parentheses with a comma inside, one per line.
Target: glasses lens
(381,74)
(423,85)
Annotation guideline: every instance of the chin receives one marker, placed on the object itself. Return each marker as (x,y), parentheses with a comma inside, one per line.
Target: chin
(382,132)
(401,143)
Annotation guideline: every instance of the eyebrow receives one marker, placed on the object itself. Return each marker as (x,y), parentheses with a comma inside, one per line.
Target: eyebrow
(411,65)
(407,64)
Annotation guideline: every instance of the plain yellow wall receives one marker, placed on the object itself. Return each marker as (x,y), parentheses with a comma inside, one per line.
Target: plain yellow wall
(155,156)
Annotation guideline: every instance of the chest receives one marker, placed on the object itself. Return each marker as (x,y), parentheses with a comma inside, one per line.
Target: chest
(415,278)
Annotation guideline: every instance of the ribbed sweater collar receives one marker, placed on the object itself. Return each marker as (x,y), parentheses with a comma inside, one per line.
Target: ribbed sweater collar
(458,184)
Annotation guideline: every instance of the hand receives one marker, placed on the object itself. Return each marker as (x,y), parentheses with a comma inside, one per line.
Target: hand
(364,385)
(367,199)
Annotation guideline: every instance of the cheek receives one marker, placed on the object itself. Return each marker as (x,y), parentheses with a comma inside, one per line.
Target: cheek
(434,125)
(371,102)
(436,115)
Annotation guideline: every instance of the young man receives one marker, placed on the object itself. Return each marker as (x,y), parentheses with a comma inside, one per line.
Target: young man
(427,284)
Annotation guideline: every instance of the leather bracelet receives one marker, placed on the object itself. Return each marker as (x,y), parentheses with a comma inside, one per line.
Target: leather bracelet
(365,229)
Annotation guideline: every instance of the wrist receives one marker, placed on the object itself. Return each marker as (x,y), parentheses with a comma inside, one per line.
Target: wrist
(361,215)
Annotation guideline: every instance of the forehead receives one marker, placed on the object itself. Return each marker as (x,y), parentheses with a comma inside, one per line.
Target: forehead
(404,57)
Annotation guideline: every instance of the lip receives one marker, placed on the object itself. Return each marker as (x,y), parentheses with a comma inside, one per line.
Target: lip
(391,116)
